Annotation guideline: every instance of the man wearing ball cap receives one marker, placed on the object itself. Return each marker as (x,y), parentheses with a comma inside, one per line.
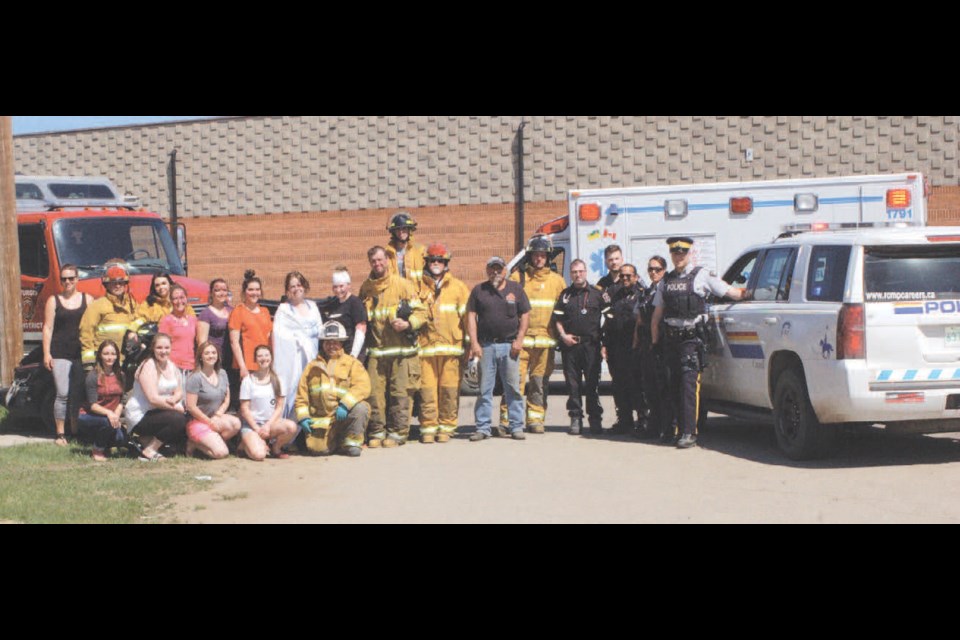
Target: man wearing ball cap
(680,304)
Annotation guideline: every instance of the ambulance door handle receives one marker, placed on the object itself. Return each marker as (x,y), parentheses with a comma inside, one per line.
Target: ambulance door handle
(771,320)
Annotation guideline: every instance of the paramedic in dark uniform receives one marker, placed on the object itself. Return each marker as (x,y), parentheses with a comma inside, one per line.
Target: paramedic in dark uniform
(680,302)
(618,328)
(577,317)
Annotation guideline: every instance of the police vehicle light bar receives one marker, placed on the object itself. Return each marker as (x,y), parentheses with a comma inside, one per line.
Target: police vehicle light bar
(805,202)
(589,212)
(898,198)
(675,208)
(741,205)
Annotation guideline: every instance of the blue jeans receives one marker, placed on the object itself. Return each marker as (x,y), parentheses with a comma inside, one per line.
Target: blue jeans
(96,429)
(495,361)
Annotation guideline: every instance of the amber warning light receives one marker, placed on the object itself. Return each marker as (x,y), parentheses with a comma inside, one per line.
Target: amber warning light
(589,212)
(898,198)
(741,205)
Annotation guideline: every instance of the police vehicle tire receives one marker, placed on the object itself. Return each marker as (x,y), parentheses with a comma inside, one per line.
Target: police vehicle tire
(799,434)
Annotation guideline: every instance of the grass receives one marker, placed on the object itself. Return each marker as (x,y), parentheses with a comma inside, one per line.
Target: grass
(43,483)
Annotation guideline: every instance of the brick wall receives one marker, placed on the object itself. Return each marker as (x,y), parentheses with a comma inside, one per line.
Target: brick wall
(943,207)
(313,242)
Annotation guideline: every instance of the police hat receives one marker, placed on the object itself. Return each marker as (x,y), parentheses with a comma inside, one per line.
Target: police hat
(680,242)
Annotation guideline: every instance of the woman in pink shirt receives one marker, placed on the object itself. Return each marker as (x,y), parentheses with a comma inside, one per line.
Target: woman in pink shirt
(182,329)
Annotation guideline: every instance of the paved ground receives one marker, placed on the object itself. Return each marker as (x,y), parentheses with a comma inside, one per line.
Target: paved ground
(736,476)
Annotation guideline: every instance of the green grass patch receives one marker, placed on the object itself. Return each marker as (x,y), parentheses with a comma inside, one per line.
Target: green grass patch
(43,483)
(3,415)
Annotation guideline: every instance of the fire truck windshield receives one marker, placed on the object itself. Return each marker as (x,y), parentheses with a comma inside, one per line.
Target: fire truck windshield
(144,244)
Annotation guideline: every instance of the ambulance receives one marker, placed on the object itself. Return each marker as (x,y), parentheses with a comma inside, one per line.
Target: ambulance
(723,218)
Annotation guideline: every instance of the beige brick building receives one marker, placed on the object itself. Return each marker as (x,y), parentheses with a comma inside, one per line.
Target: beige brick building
(335,180)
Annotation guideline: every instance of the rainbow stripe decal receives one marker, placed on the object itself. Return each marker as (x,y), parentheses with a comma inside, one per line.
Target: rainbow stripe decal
(900,308)
(745,344)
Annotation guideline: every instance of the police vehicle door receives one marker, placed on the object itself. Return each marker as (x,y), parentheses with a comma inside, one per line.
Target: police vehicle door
(723,362)
(759,322)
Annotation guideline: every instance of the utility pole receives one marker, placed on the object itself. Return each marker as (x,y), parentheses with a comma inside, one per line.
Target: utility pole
(11,329)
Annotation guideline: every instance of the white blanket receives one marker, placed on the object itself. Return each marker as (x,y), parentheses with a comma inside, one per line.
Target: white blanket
(294,345)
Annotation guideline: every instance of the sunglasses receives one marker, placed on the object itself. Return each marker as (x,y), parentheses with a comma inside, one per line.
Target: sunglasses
(429,260)
(68,278)
(654,269)
(680,250)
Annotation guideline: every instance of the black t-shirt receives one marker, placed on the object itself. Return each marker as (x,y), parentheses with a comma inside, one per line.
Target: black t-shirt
(498,311)
(349,313)
(578,310)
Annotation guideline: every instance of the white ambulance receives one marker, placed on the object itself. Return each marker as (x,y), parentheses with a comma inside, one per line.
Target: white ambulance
(723,218)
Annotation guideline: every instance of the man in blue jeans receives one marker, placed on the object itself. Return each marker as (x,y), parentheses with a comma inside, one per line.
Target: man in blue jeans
(498,312)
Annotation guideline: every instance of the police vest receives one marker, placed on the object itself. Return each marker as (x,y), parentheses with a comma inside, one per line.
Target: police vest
(620,315)
(679,298)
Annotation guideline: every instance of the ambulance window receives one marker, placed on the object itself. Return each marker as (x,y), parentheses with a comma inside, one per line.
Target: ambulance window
(827,275)
(33,251)
(739,274)
(773,282)
(27,191)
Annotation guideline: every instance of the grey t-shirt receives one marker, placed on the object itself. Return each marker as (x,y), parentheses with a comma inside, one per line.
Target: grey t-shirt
(209,397)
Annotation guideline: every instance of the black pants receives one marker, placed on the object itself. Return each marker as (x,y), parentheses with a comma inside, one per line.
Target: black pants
(683,383)
(653,378)
(625,375)
(581,370)
(169,426)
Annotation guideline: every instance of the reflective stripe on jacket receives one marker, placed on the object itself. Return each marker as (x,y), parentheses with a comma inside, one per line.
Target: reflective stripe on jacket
(319,392)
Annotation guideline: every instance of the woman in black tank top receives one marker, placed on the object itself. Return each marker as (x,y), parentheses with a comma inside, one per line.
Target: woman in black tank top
(61,347)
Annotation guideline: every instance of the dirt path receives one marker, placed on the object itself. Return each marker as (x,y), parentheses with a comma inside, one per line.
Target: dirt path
(737,476)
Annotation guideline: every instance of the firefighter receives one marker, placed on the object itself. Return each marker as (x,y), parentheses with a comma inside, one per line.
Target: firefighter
(542,287)
(577,314)
(441,343)
(395,317)
(331,397)
(680,302)
(405,255)
(113,316)
(618,329)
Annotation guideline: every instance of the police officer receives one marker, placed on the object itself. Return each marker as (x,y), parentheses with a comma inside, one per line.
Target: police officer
(577,317)
(650,359)
(680,302)
(618,329)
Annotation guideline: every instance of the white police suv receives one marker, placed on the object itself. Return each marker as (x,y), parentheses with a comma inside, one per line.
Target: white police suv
(856,325)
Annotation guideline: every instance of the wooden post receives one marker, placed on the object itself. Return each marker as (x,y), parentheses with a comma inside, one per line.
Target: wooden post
(11,327)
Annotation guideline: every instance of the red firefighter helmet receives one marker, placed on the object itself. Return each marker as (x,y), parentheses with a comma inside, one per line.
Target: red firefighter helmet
(438,250)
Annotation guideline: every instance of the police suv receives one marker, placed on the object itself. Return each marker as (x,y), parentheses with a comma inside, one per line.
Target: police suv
(848,325)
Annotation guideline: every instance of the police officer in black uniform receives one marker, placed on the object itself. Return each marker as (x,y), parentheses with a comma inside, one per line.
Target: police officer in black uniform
(577,318)
(618,329)
(680,302)
(650,358)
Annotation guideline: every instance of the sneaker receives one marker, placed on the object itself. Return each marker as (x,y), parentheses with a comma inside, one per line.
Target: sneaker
(443,437)
(427,438)
(390,443)
(520,435)
(501,432)
(375,443)
(478,436)
(352,452)
(534,428)
(576,426)
(687,441)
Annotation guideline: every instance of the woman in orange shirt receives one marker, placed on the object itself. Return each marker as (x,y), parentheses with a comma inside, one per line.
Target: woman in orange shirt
(250,325)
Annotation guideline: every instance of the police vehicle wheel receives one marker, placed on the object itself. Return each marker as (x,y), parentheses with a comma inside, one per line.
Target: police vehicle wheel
(799,434)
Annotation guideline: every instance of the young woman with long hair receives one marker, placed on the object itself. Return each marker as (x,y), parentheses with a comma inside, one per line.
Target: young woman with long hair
(262,395)
(208,397)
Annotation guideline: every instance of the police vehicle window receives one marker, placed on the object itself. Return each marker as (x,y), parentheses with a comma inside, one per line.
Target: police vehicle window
(82,191)
(27,191)
(739,273)
(827,273)
(911,273)
(33,251)
(773,281)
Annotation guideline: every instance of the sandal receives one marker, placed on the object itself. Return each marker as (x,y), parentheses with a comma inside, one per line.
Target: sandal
(61,440)
(156,457)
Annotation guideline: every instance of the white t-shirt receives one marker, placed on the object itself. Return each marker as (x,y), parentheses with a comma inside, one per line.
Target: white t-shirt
(262,401)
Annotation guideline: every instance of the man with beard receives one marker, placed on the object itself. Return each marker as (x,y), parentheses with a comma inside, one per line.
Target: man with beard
(498,313)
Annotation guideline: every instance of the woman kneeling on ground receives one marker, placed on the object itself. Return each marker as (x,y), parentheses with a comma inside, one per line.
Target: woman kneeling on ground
(155,407)
(99,419)
(261,406)
(208,397)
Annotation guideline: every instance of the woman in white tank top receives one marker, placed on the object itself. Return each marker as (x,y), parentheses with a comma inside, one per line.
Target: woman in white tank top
(155,409)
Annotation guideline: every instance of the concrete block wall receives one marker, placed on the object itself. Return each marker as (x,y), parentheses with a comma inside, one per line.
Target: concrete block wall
(278,164)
